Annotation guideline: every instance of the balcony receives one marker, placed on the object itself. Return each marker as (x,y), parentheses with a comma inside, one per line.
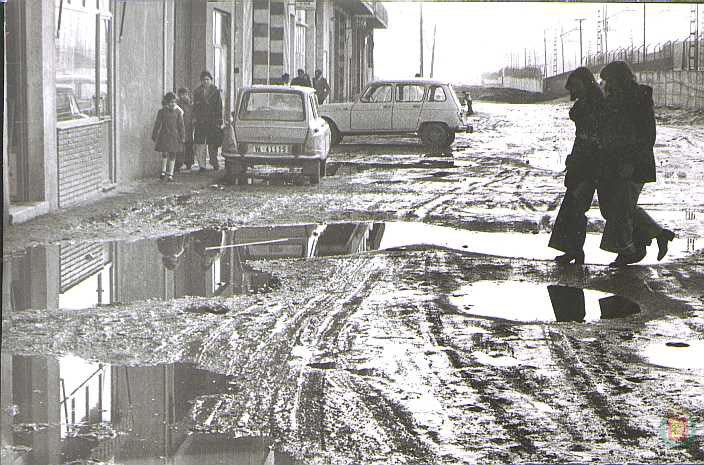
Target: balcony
(373,10)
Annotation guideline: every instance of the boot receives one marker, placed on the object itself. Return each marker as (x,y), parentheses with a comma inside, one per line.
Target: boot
(567,258)
(626,259)
(663,238)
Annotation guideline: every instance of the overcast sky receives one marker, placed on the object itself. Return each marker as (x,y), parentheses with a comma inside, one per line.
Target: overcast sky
(476,37)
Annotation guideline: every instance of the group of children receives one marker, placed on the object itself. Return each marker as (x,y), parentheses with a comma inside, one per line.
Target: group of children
(173,133)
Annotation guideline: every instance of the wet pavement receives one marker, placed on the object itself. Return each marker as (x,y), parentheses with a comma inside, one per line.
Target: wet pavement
(407,310)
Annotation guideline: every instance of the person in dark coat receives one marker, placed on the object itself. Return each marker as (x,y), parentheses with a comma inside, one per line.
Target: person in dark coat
(582,168)
(168,134)
(301,79)
(627,133)
(207,121)
(321,86)
(184,102)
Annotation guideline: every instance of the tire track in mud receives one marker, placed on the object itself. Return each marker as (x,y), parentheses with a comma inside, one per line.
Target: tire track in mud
(577,374)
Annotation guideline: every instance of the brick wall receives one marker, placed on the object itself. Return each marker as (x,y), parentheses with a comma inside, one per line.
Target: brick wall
(80,162)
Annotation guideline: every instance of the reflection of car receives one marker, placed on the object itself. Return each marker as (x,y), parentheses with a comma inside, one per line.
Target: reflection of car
(66,105)
(278,125)
(418,106)
(84,91)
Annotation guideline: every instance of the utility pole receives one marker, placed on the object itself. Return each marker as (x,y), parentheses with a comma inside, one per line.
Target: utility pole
(421,39)
(432,57)
(644,51)
(545,50)
(606,30)
(562,45)
(580,41)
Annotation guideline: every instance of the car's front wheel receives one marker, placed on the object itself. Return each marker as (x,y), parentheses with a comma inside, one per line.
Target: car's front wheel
(435,135)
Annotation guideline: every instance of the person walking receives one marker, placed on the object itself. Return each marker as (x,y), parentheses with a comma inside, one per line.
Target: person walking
(321,86)
(207,121)
(168,135)
(184,102)
(301,79)
(582,168)
(628,134)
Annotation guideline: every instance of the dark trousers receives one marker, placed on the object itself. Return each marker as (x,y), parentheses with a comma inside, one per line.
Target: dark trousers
(628,227)
(187,158)
(570,229)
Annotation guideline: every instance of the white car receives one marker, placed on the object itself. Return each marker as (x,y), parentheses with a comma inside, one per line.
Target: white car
(425,107)
(277,125)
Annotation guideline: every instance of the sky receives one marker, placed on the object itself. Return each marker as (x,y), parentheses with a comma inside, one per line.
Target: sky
(477,37)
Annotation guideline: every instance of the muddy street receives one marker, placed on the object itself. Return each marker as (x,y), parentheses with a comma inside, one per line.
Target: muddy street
(405,311)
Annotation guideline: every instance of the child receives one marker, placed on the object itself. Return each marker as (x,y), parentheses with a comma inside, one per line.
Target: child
(168,134)
(185,159)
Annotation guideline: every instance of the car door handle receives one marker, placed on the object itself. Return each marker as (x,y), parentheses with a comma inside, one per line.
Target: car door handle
(416,106)
(386,106)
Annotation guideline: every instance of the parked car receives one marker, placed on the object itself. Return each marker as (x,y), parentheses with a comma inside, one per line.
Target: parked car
(278,125)
(425,107)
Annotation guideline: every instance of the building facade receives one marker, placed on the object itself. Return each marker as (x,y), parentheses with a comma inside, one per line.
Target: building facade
(84,78)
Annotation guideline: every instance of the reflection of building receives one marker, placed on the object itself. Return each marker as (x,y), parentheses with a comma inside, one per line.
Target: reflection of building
(80,99)
(127,415)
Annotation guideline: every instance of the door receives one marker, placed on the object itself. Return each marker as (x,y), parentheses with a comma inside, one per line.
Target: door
(374,109)
(407,106)
(221,56)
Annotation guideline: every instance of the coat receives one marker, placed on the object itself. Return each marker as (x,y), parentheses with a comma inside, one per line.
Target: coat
(583,162)
(168,132)
(187,108)
(628,133)
(207,107)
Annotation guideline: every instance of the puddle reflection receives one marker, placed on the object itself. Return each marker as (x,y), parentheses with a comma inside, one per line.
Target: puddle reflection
(530,303)
(69,410)
(677,354)
(221,263)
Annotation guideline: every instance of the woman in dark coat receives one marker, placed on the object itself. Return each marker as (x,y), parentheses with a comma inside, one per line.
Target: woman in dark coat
(207,121)
(570,229)
(168,134)
(627,129)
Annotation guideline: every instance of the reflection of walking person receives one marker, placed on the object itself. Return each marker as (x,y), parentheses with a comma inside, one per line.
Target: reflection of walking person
(207,121)
(570,229)
(627,138)
(168,134)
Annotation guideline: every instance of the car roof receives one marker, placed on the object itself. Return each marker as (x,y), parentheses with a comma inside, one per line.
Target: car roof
(279,88)
(421,81)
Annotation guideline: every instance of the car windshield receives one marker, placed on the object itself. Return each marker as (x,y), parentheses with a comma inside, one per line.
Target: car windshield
(272,106)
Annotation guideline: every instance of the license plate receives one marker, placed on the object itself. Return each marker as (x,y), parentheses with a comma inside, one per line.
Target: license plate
(271,148)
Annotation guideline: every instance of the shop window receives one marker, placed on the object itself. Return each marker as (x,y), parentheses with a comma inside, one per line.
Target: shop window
(82,59)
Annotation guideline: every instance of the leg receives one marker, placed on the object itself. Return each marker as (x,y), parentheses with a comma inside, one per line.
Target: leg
(646,229)
(188,155)
(213,155)
(570,229)
(171,166)
(164,164)
(619,198)
(199,147)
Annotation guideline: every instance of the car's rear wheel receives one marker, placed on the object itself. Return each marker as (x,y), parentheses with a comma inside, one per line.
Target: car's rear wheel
(314,171)
(236,171)
(435,135)
(335,136)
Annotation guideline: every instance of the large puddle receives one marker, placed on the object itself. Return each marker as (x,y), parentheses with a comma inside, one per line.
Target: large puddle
(71,411)
(533,303)
(213,263)
(680,354)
